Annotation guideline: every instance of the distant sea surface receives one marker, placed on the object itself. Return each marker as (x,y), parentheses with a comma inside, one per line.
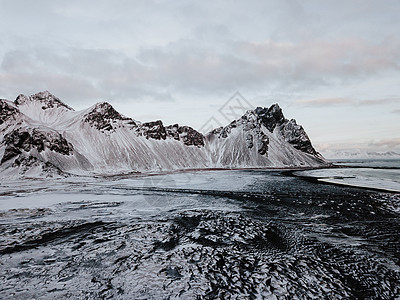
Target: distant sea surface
(380,174)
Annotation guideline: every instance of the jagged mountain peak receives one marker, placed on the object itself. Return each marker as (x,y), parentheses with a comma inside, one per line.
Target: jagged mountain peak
(102,140)
(21,99)
(107,111)
(156,130)
(292,132)
(102,116)
(270,117)
(186,134)
(43,95)
(273,109)
(102,106)
(45,98)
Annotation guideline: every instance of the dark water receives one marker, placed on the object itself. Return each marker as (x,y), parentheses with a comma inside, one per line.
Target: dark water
(206,235)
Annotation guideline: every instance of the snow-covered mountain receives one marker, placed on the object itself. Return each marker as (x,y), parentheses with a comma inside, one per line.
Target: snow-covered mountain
(40,135)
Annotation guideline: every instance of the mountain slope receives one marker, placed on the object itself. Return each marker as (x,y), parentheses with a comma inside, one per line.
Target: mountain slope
(42,132)
(262,137)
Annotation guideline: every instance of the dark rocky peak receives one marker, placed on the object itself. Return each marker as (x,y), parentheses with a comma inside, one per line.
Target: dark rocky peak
(21,99)
(107,111)
(291,132)
(102,116)
(7,111)
(104,108)
(154,130)
(270,117)
(47,100)
(186,134)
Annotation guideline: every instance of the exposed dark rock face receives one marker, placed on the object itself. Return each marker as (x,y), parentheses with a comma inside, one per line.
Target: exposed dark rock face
(262,143)
(25,163)
(33,123)
(46,98)
(6,111)
(270,117)
(251,125)
(249,140)
(223,132)
(154,130)
(296,135)
(291,132)
(103,116)
(19,140)
(220,132)
(186,134)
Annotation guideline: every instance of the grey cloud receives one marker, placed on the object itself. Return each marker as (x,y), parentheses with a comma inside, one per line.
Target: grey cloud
(186,67)
(158,49)
(343,58)
(346,101)
(287,65)
(77,74)
(146,53)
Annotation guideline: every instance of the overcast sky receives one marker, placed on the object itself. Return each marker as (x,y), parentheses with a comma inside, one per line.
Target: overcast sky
(332,65)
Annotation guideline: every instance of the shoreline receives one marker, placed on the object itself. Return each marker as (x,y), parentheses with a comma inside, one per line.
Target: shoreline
(287,171)
(191,170)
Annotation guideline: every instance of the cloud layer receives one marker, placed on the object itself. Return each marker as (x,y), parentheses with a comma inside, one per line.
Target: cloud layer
(186,68)
(142,54)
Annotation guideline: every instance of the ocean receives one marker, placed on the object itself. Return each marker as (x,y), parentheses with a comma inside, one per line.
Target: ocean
(380,174)
(241,234)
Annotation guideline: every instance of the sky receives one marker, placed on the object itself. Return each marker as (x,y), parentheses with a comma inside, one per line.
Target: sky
(334,66)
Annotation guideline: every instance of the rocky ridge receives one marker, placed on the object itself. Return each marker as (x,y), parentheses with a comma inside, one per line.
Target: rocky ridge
(101,139)
(45,98)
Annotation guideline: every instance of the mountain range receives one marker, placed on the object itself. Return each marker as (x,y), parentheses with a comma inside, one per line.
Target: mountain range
(42,136)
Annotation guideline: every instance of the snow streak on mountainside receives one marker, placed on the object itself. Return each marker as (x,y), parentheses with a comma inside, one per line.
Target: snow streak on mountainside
(40,135)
